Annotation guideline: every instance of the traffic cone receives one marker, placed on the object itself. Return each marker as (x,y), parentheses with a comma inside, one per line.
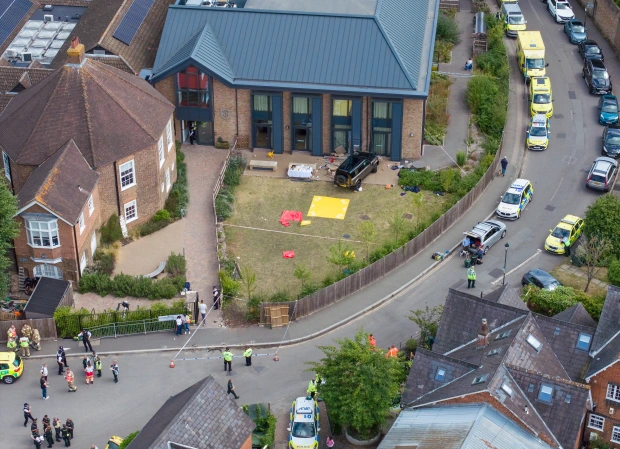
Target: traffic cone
(171,363)
(275,359)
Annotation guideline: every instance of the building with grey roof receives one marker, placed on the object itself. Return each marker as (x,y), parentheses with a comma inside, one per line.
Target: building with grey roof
(301,76)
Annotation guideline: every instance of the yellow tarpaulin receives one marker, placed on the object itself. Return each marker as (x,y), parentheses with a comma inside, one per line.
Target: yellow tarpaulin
(327,207)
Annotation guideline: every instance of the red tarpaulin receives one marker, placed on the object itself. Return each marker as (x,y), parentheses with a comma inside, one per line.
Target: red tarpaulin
(288,254)
(290,215)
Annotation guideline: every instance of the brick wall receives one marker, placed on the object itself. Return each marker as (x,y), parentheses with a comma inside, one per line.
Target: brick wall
(413,114)
(599,396)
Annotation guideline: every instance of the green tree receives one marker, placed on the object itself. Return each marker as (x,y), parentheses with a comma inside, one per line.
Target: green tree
(418,201)
(302,274)
(360,384)
(367,233)
(601,220)
(9,230)
(248,281)
(427,320)
(397,225)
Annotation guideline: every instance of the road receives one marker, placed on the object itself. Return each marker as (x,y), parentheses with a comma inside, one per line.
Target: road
(557,174)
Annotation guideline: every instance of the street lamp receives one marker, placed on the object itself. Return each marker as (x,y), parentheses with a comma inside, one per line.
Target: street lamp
(506,246)
(589,5)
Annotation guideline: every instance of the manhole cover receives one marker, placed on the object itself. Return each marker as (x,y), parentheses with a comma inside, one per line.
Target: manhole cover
(560,136)
(364,217)
(408,216)
(556,116)
(571,95)
(346,236)
(497,272)
(550,208)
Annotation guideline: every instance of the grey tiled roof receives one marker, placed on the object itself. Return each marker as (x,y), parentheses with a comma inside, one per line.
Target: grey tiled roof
(576,314)
(202,416)
(609,323)
(608,355)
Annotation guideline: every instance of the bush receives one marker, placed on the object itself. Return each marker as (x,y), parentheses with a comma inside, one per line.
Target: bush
(461,158)
(447,29)
(111,231)
(613,273)
(176,265)
(161,215)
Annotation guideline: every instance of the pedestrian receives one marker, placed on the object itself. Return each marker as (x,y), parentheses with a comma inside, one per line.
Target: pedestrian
(248,356)
(192,134)
(70,379)
(98,365)
(179,325)
(44,388)
(49,436)
(330,442)
(57,428)
(24,346)
(504,163)
(186,320)
(216,295)
(65,435)
(27,414)
(70,427)
(37,440)
(90,371)
(311,388)
(392,352)
(471,277)
(114,369)
(227,359)
(372,342)
(63,356)
(86,340)
(203,311)
(231,389)
(44,371)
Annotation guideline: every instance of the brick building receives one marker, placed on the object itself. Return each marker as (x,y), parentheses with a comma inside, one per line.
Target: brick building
(84,143)
(294,75)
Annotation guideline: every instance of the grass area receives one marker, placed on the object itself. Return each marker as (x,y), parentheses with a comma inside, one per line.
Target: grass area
(579,282)
(260,202)
(437,116)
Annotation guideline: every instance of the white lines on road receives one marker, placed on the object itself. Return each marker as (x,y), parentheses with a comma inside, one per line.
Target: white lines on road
(538,251)
(556,191)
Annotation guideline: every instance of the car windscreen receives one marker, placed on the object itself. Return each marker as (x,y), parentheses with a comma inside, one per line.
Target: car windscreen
(303,430)
(560,233)
(516,20)
(536,63)
(593,50)
(511,198)
(542,98)
(538,131)
(600,74)
(578,29)
(613,139)
(610,107)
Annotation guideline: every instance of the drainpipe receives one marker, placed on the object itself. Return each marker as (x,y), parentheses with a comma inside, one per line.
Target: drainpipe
(118,195)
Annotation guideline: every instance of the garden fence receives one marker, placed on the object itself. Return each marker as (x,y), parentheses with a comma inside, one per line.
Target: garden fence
(366,276)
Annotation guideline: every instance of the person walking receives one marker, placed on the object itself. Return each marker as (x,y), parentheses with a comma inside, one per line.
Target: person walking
(231,389)
(49,436)
(248,356)
(179,325)
(24,346)
(90,372)
(44,371)
(203,311)
(311,388)
(471,277)
(69,377)
(216,295)
(86,340)
(44,388)
(27,414)
(98,365)
(228,356)
(70,427)
(504,163)
(65,435)
(57,428)
(330,442)
(63,356)
(114,369)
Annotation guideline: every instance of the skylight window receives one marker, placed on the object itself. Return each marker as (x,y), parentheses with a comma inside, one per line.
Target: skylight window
(533,342)
(583,342)
(506,388)
(503,335)
(480,379)
(440,375)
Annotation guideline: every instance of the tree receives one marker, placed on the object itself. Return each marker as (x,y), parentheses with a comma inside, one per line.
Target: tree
(360,384)
(248,281)
(418,202)
(9,230)
(341,255)
(302,273)
(367,234)
(595,250)
(601,220)
(397,225)
(428,321)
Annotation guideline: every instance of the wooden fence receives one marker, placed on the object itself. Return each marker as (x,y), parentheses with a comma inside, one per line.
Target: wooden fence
(45,326)
(366,276)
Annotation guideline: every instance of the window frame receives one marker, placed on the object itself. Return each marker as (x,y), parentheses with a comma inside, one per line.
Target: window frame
(127,205)
(613,431)
(6,161)
(81,223)
(540,391)
(579,341)
(169,136)
(133,174)
(29,229)
(615,391)
(91,205)
(160,151)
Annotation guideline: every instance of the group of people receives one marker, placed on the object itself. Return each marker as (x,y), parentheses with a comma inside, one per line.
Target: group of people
(29,337)
(40,436)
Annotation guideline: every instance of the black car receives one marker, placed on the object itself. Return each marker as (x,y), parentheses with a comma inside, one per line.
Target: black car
(611,141)
(596,76)
(540,279)
(589,49)
(355,168)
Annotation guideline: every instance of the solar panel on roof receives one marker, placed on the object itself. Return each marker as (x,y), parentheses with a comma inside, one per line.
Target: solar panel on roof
(134,17)
(11,13)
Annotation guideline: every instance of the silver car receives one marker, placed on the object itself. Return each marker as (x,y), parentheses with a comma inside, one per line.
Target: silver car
(485,234)
(602,174)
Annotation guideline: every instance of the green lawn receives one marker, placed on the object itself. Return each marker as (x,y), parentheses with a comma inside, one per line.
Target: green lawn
(260,202)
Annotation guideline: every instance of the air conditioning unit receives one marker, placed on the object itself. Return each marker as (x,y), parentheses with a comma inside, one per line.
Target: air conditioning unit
(48,18)
(593,436)
(27,57)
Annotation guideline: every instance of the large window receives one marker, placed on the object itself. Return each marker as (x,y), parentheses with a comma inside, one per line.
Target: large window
(47,271)
(341,124)
(596,422)
(193,88)
(7,165)
(131,211)
(381,139)
(128,176)
(262,120)
(613,392)
(302,123)
(42,233)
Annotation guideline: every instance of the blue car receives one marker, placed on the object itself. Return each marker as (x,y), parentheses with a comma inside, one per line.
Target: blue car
(575,30)
(608,110)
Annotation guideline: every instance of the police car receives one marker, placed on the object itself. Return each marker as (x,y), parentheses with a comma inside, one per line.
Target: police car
(304,424)
(512,203)
(538,133)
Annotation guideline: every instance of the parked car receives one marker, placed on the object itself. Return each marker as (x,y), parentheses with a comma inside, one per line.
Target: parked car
(355,168)
(608,110)
(568,228)
(560,10)
(589,49)
(485,234)
(575,30)
(611,141)
(540,279)
(11,367)
(596,76)
(304,426)
(602,174)
(512,203)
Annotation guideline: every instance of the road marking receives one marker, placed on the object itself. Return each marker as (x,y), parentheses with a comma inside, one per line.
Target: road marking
(538,251)
(556,190)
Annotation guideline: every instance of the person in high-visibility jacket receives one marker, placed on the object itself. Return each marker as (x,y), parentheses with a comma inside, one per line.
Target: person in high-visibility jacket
(24,346)
(11,345)
(69,377)
(392,352)
(471,278)
(227,359)
(311,388)
(248,356)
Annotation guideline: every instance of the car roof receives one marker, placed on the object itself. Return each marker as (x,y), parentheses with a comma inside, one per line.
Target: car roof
(7,357)
(518,186)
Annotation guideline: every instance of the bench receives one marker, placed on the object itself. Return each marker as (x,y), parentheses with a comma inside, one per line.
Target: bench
(160,269)
(263,165)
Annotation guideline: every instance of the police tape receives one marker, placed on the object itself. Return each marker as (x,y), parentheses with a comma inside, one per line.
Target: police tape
(221,357)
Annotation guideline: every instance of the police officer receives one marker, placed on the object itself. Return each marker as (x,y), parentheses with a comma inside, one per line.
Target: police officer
(471,277)
(227,359)
(311,388)
(24,343)
(248,356)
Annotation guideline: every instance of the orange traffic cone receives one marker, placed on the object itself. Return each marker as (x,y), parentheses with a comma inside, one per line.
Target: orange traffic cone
(275,359)
(171,363)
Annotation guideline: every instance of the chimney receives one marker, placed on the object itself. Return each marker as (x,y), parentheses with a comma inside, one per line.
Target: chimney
(483,334)
(76,53)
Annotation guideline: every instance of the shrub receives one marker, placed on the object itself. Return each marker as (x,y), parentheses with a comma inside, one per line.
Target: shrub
(161,215)
(447,29)
(461,158)
(176,265)
(111,231)
(613,273)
